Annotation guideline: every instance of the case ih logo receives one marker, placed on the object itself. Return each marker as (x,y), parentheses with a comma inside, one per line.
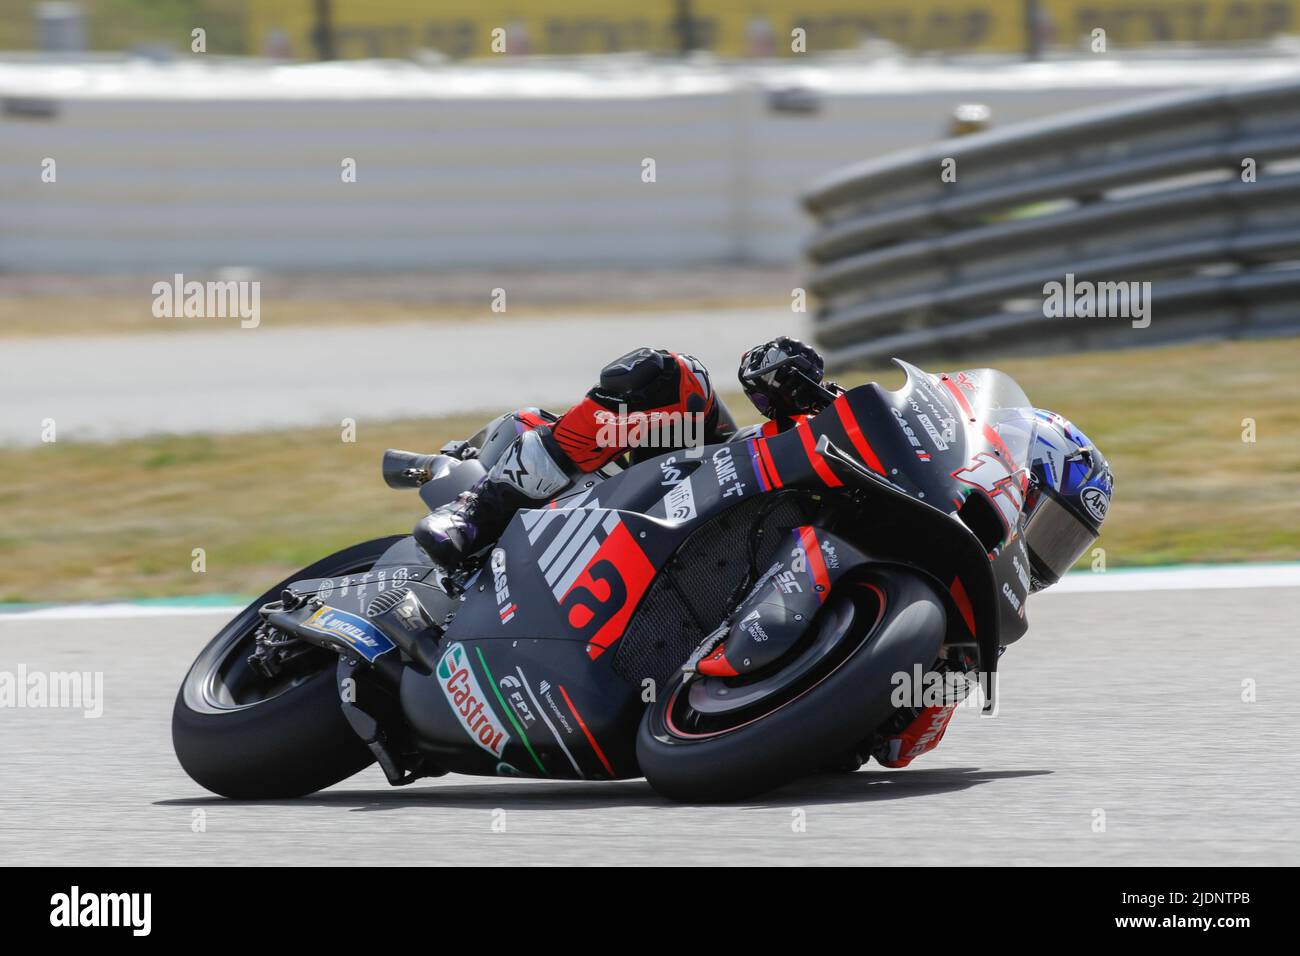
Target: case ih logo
(469,703)
(505,607)
(912,440)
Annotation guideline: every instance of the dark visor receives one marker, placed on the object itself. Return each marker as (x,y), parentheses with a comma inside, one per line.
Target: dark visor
(1056,538)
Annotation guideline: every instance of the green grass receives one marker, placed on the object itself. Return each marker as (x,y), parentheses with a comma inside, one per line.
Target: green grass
(89,521)
(1187,488)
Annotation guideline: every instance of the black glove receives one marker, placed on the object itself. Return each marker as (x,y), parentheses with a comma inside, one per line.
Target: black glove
(783,378)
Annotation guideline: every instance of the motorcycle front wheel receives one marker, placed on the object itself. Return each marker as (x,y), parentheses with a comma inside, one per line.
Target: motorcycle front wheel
(722,739)
(249,737)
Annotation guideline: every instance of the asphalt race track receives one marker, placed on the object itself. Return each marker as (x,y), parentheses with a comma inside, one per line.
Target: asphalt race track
(124,386)
(1127,702)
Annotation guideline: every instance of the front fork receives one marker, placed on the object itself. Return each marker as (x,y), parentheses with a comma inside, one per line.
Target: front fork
(401,762)
(371,654)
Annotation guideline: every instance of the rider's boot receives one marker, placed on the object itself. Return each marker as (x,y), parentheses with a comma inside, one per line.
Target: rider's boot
(532,470)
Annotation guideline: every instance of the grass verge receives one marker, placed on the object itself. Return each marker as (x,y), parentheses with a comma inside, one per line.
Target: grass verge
(87,521)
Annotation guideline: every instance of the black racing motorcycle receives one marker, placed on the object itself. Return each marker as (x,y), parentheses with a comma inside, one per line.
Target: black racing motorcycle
(721,620)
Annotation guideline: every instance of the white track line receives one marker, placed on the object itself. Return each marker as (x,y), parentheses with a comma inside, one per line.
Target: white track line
(1189,578)
(108,612)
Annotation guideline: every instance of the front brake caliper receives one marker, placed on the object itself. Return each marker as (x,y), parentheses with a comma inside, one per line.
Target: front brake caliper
(273,649)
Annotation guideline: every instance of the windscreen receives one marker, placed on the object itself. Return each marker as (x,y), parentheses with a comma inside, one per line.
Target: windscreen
(998,410)
(976,431)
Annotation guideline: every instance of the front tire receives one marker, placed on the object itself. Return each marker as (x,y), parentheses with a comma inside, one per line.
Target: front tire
(250,738)
(886,621)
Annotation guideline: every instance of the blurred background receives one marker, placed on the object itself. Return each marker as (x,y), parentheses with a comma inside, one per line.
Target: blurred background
(449,209)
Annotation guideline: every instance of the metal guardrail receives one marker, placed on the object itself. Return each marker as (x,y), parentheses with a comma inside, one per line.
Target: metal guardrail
(1152,191)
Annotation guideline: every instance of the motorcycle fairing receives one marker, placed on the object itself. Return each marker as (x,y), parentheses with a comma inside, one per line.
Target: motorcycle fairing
(556,595)
(404,565)
(534,708)
(357,632)
(782,604)
(572,574)
(576,569)
(920,486)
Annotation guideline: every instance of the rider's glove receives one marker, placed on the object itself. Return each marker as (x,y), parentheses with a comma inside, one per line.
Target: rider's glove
(783,378)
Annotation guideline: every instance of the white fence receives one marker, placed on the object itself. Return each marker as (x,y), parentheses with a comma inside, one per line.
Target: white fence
(194,166)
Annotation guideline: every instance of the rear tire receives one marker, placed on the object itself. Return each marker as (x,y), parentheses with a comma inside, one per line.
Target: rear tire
(292,742)
(903,626)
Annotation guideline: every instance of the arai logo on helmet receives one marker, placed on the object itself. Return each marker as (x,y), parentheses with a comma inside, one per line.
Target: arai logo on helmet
(1097,502)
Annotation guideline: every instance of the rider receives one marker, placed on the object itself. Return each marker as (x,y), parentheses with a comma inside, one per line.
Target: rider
(1070,485)
(783,378)
(1070,481)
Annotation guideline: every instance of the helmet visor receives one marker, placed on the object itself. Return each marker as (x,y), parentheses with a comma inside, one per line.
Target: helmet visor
(1055,538)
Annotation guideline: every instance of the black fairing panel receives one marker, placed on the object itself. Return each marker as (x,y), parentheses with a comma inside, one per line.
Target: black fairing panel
(781,606)
(589,605)
(538,634)
(926,448)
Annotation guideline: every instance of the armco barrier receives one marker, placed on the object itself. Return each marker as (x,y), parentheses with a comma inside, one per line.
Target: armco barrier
(1196,193)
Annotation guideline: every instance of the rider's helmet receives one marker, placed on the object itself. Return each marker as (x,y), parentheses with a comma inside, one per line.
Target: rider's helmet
(1068,497)
(783,378)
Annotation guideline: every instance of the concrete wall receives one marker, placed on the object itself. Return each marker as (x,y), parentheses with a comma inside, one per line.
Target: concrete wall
(218,176)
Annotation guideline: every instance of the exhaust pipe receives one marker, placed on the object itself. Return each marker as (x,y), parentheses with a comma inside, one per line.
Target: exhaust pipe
(406,469)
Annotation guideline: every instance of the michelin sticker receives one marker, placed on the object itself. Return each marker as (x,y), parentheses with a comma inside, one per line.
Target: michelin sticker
(362,636)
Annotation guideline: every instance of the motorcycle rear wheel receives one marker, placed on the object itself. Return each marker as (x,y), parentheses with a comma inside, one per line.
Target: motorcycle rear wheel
(877,624)
(248,737)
